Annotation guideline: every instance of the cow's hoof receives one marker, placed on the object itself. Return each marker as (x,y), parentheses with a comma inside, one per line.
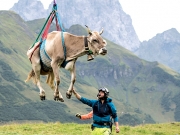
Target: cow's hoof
(42,97)
(68,95)
(61,99)
(58,99)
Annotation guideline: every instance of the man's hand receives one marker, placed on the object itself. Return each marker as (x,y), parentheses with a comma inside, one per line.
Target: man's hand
(74,91)
(76,94)
(78,115)
(117,129)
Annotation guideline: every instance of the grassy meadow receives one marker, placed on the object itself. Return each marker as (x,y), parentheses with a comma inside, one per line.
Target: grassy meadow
(84,129)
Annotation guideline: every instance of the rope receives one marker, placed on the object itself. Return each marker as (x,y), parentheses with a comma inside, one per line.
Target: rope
(41,30)
(48,22)
(59,22)
(57,26)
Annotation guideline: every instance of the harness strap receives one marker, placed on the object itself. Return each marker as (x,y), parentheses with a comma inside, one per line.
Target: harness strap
(89,52)
(64,48)
(86,44)
(44,35)
(63,44)
(59,21)
(34,51)
(103,123)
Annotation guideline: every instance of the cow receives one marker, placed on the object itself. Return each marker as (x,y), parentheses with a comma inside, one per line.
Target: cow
(61,50)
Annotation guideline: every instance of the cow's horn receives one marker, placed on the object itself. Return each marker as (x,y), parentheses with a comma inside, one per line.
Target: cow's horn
(89,31)
(101,31)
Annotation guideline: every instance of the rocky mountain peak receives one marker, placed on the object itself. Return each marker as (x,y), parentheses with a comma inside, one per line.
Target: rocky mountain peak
(95,14)
(164,48)
(171,35)
(29,9)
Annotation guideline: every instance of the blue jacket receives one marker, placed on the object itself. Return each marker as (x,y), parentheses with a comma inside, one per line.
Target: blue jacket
(101,112)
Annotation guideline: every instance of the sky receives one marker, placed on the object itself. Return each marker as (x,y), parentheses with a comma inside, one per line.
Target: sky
(149,17)
(7,4)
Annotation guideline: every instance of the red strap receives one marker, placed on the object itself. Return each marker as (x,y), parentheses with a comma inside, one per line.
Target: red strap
(34,50)
(44,36)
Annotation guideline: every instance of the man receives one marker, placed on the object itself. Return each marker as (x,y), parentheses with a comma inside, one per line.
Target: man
(103,109)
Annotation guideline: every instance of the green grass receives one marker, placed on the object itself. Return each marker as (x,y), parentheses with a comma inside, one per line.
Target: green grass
(84,129)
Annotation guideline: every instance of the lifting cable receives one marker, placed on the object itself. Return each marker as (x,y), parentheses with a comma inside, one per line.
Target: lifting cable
(46,26)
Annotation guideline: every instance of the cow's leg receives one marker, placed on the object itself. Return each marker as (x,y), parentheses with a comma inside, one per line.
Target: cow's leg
(73,79)
(37,68)
(57,94)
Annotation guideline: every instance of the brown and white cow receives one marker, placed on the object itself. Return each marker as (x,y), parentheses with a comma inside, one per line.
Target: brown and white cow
(74,47)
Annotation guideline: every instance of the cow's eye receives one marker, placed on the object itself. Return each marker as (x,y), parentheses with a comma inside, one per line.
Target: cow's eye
(94,40)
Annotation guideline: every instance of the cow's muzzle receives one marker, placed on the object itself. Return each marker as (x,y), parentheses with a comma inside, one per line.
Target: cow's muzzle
(103,51)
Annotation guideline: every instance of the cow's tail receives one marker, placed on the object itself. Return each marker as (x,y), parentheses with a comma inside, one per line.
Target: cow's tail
(31,75)
(50,80)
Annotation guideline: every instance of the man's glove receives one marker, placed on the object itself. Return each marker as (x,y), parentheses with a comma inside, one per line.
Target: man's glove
(78,115)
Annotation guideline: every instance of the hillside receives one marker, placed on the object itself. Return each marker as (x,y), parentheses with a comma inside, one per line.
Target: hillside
(141,90)
(164,48)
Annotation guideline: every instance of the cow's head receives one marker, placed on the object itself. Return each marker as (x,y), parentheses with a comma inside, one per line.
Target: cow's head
(96,43)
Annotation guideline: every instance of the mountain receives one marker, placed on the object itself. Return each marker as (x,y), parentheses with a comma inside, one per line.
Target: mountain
(96,14)
(141,90)
(164,48)
(29,10)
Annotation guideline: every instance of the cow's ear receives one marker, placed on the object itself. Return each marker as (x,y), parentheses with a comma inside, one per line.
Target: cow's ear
(90,33)
(101,31)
